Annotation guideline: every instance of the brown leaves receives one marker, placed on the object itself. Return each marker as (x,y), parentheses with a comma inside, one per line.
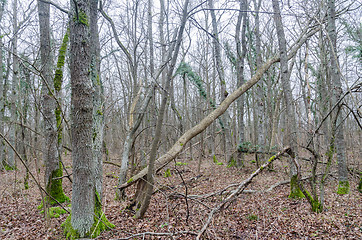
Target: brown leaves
(268,215)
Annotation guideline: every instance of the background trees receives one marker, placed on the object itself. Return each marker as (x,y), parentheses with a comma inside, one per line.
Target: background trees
(145,85)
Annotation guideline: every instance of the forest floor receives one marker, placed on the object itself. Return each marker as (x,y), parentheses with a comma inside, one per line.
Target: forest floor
(258,215)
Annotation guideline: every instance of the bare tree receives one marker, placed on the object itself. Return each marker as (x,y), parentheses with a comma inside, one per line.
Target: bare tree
(291,134)
(337,142)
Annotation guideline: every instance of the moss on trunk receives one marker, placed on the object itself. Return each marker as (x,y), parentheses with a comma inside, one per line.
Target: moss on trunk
(295,191)
(343,187)
(100,223)
(55,187)
(360,184)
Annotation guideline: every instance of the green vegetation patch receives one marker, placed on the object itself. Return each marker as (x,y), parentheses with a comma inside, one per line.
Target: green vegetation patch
(343,187)
(295,192)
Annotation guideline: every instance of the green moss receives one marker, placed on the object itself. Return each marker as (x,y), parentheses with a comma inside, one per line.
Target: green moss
(214,159)
(99,112)
(82,18)
(295,191)
(130,180)
(315,204)
(232,162)
(181,164)
(167,173)
(252,217)
(360,184)
(58,116)
(100,223)
(7,167)
(343,187)
(54,187)
(55,212)
(219,163)
(58,78)
(98,80)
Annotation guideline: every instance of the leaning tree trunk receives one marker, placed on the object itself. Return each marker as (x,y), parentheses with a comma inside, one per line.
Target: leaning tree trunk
(337,139)
(87,218)
(291,131)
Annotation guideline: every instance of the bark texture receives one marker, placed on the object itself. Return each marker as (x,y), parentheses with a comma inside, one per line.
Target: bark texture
(83,200)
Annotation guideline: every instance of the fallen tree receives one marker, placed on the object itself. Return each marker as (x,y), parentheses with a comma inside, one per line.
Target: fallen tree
(209,119)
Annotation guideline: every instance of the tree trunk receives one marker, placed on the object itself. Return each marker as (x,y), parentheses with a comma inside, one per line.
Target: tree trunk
(241,52)
(53,167)
(2,95)
(87,218)
(221,75)
(14,88)
(291,131)
(338,134)
(143,202)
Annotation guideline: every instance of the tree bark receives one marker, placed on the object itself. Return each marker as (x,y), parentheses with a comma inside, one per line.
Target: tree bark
(87,218)
(14,88)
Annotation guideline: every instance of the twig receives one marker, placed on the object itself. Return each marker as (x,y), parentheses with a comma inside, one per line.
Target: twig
(112,163)
(239,190)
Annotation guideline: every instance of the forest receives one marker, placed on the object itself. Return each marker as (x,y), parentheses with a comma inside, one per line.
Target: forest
(180,119)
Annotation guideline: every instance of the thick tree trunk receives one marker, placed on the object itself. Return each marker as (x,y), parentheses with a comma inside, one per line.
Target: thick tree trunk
(291,133)
(87,218)
(98,99)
